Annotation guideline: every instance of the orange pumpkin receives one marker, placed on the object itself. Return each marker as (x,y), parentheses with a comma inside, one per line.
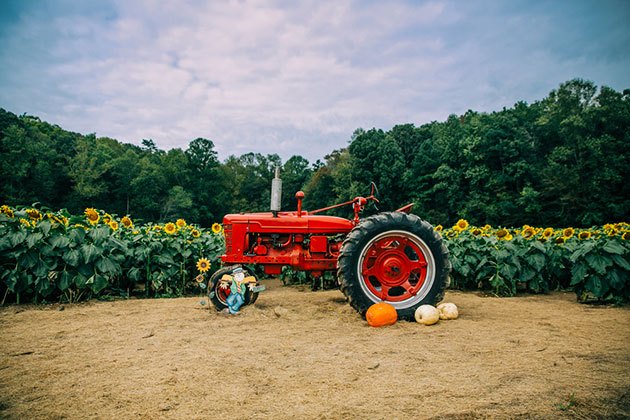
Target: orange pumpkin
(381,314)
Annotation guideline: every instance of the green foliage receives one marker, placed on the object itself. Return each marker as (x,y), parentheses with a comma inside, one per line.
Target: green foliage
(563,159)
(560,160)
(291,277)
(596,267)
(601,269)
(54,255)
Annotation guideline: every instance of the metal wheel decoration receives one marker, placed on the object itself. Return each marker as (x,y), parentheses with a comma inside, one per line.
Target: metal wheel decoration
(396,267)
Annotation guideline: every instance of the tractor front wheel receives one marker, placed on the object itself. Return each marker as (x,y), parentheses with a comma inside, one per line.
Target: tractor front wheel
(395,258)
(218,296)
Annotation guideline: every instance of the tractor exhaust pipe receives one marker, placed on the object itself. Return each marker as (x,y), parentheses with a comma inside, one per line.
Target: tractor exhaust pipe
(276,193)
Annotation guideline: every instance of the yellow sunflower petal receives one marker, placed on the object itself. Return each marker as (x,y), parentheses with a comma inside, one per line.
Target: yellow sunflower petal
(170,228)
(203,265)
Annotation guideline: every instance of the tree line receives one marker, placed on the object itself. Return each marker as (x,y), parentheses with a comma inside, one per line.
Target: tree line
(560,161)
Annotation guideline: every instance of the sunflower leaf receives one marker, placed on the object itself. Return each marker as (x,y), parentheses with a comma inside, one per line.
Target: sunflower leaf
(596,286)
(581,251)
(578,272)
(29,259)
(45,226)
(72,257)
(621,262)
(599,263)
(97,283)
(65,280)
(106,266)
(614,248)
(59,241)
(33,238)
(90,252)
(537,261)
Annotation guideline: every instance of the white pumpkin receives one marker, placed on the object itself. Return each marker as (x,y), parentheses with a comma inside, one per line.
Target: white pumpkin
(427,315)
(448,310)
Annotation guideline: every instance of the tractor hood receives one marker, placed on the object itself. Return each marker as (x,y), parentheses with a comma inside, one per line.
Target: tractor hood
(289,222)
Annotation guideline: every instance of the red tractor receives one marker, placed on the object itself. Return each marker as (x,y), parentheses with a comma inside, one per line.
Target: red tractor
(394,257)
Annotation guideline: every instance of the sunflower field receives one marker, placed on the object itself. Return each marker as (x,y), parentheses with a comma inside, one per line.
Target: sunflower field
(594,262)
(46,255)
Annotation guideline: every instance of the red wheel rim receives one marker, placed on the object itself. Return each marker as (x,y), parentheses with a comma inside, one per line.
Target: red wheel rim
(221,293)
(395,266)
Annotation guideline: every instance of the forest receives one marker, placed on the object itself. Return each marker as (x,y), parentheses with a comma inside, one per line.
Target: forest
(560,161)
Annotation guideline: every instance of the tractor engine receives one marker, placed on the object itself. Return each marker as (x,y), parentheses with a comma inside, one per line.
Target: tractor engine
(273,240)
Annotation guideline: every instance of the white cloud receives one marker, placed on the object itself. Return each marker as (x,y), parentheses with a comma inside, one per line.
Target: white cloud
(275,77)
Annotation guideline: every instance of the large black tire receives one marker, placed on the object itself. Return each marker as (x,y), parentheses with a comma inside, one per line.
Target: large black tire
(218,297)
(393,257)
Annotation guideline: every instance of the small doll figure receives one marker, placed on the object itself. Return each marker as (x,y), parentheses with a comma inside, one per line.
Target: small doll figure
(237,288)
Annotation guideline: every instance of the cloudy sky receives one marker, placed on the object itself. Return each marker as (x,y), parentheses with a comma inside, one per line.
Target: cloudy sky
(294,77)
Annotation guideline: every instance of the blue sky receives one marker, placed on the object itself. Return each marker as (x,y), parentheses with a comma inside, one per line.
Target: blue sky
(294,77)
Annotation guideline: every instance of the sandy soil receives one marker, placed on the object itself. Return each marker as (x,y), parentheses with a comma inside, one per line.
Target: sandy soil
(302,354)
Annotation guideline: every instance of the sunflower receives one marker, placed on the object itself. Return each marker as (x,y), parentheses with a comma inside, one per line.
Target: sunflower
(438,228)
(216,228)
(180,223)
(199,278)
(195,233)
(508,237)
(461,225)
(170,228)
(113,225)
(7,210)
(502,233)
(528,232)
(107,218)
(158,228)
(568,232)
(613,232)
(476,231)
(486,227)
(626,235)
(34,214)
(585,234)
(547,233)
(56,219)
(203,265)
(126,222)
(92,216)
(561,240)
(25,222)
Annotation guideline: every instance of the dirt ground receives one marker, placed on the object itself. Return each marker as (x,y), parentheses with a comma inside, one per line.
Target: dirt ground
(302,354)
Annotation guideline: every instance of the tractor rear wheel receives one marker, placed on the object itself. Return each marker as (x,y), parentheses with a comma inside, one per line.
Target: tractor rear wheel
(218,296)
(396,258)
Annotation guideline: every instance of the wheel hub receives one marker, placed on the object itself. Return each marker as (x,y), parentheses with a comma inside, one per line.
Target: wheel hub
(394,267)
(393,270)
